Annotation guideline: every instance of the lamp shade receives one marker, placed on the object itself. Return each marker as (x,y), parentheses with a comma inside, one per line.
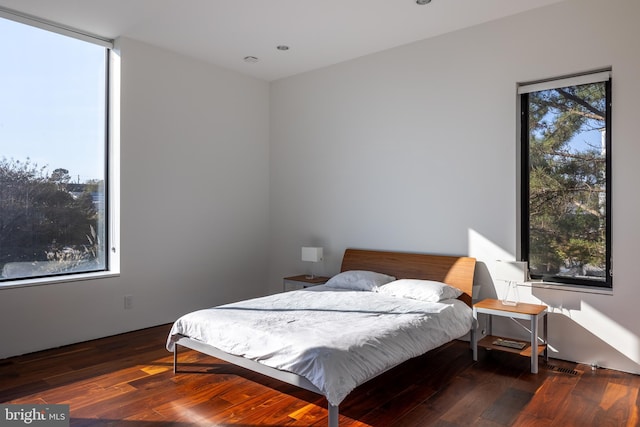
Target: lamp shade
(515,271)
(311,254)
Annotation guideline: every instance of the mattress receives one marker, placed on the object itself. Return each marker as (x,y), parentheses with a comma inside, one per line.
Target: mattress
(336,338)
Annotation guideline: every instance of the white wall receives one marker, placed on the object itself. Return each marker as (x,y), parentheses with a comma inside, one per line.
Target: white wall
(194,207)
(415,149)
(224,177)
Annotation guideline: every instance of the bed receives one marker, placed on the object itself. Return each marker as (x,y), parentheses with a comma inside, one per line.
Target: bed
(388,306)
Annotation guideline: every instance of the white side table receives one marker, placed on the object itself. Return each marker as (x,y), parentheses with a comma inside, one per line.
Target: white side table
(531,312)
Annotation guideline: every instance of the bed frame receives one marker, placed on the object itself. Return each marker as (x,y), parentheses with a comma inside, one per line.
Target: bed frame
(452,270)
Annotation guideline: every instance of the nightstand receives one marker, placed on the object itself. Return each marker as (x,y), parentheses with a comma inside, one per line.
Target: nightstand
(295,283)
(531,312)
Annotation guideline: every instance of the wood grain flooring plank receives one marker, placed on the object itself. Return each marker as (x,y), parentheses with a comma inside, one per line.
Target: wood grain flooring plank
(552,397)
(619,405)
(127,381)
(506,407)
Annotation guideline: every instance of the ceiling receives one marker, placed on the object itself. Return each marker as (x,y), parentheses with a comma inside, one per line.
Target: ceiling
(319,33)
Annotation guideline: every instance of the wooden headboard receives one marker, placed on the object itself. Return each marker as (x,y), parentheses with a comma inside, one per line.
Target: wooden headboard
(452,270)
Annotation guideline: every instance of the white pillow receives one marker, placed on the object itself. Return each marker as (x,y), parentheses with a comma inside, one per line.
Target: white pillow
(359,280)
(423,290)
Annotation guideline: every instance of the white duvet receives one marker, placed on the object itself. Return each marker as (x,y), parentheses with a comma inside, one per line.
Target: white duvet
(337,339)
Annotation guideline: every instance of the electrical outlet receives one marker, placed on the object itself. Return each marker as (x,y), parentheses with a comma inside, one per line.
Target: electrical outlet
(128,302)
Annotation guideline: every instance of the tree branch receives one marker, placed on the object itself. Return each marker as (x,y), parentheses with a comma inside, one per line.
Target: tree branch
(582,102)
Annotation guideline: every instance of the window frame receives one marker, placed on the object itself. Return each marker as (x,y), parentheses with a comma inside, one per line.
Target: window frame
(600,76)
(111,154)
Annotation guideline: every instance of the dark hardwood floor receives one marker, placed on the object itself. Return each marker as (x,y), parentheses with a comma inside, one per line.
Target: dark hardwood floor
(128,380)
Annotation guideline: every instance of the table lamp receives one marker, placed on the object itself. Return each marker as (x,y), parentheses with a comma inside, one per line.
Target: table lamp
(311,254)
(513,273)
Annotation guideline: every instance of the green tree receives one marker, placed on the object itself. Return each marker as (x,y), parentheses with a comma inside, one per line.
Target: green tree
(61,177)
(567,185)
(39,219)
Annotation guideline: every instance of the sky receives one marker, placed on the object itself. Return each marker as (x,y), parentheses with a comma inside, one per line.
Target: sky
(52,100)
(588,139)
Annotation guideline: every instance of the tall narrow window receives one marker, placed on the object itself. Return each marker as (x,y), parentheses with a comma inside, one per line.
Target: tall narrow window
(53,153)
(566,181)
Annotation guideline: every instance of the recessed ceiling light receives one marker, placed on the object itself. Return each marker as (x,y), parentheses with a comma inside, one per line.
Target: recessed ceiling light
(423,1)
(251,59)
(283,47)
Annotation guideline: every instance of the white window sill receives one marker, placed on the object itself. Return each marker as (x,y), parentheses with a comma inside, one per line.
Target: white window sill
(568,288)
(21,283)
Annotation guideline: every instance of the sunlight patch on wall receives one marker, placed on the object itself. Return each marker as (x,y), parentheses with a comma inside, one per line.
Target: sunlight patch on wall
(487,252)
(609,331)
(484,249)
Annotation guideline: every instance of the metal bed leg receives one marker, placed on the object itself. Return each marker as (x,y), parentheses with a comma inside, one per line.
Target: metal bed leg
(175,358)
(473,337)
(333,415)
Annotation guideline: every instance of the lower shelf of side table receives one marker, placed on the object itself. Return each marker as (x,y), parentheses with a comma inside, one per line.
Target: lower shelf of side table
(487,342)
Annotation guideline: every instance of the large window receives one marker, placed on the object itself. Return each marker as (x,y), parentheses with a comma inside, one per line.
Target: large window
(54,200)
(566,181)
